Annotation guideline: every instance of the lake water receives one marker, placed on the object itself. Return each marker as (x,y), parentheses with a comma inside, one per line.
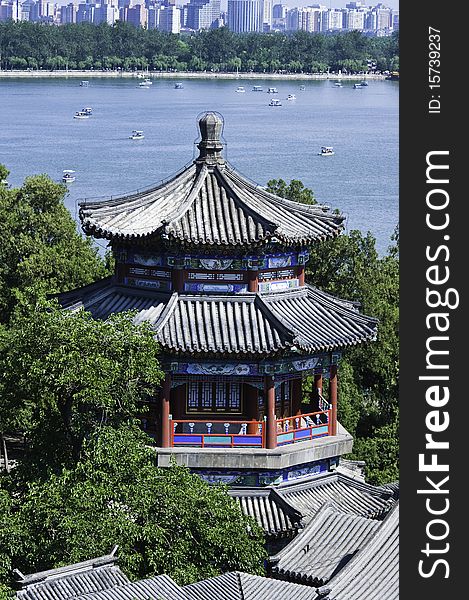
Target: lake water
(39,135)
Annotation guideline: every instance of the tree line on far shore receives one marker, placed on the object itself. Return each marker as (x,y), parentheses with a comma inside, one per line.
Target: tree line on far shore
(27,45)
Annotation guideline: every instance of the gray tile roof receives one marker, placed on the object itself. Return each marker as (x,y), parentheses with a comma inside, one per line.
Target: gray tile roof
(72,581)
(209,205)
(326,544)
(249,323)
(373,573)
(273,513)
(242,586)
(161,587)
(351,495)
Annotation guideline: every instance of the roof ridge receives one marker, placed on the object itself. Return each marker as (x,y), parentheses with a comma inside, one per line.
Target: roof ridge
(251,211)
(322,209)
(167,312)
(135,195)
(68,570)
(268,314)
(179,212)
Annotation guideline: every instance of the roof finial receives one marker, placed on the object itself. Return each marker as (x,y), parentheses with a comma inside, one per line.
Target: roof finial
(210,146)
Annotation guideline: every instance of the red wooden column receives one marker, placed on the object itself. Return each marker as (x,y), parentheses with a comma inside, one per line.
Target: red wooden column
(165,411)
(177,277)
(271,421)
(333,398)
(301,276)
(253,281)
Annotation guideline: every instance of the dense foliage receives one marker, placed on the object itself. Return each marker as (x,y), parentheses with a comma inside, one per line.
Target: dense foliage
(41,250)
(163,520)
(349,267)
(64,374)
(30,45)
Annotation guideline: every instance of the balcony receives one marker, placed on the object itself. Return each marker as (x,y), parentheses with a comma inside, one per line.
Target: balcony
(249,434)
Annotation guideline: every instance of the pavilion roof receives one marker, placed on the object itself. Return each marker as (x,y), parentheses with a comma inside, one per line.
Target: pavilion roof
(209,204)
(326,544)
(304,319)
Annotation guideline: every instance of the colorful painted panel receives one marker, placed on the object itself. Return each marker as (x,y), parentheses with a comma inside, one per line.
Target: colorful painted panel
(285,438)
(189,440)
(154,284)
(215,287)
(278,286)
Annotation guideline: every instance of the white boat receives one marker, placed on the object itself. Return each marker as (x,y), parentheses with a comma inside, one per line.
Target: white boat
(87,110)
(357,86)
(144,84)
(326,151)
(136,135)
(363,83)
(275,102)
(302,88)
(178,86)
(148,81)
(291,97)
(84,83)
(257,88)
(240,89)
(81,115)
(272,90)
(68,176)
(338,84)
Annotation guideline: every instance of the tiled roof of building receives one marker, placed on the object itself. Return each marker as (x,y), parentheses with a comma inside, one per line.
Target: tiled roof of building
(373,573)
(351,495)
(248,323)
(273,513)
(326,544)
(242,586)
(209,204)
(72,581)
(161,587)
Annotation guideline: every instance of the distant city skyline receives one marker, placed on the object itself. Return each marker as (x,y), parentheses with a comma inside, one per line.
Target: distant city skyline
(290,3)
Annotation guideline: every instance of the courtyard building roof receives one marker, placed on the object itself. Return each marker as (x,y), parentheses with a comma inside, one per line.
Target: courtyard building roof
(327,543)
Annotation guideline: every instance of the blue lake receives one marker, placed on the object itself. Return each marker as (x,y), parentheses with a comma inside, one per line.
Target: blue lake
(38,134)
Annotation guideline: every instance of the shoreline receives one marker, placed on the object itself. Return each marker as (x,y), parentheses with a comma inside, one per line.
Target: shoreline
(87,75)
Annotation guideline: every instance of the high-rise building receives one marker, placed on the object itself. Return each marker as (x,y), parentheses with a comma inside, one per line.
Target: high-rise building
(136,15)
(202,14)
(245,15)
(170,19)
(9,10)
(332,19)
(267,15)
(354,18)
(68,14)
(307,18)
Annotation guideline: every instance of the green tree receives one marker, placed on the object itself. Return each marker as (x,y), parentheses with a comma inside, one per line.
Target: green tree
(41,250)
(295,190)
(65,373)
(164,520)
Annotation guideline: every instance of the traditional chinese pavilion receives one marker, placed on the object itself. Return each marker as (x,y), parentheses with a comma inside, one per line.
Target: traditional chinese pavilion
(217,265)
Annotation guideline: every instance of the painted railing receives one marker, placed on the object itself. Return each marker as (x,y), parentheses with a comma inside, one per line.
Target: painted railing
(303,427)
(217,434)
